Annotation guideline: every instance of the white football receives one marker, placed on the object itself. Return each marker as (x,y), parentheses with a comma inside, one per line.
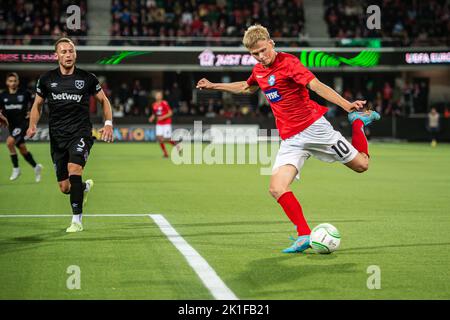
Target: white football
(325,238)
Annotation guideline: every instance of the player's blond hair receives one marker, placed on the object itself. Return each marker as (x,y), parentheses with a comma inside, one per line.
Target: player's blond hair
(253,34)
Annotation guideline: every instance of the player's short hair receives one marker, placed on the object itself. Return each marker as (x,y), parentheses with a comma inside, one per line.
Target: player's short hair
(12,74)
(253,34)
(64,39)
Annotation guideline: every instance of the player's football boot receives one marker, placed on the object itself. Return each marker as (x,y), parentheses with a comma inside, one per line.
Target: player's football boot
(367,116)
(15,174)
(37,172)
(179,148)
(300,244)
(89,185)
(75,227)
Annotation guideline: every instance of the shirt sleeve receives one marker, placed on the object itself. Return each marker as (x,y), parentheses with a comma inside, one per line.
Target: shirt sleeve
(41,90)
(251,81)
(299,73)
(95,86)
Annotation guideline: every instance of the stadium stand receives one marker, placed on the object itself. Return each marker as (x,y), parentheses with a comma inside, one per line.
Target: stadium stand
(407,23)
(25,22)
(201,18)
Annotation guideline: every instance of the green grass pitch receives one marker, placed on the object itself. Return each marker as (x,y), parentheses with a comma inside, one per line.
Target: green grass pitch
(395,216)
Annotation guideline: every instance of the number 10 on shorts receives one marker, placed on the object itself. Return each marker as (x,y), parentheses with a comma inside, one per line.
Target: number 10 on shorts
(341,148)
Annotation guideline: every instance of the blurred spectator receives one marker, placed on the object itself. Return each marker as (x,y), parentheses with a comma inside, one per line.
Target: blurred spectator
(446,113)
(140,99)
(117,108)
(210,113)
(123,92)
(174,96)
(433,125)
(387,94)
(408,98)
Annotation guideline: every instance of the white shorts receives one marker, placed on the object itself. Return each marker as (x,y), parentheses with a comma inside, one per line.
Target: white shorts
(319,140)
(164,130)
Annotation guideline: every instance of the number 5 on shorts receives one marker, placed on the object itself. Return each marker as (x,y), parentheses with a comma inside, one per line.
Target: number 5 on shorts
(341,148)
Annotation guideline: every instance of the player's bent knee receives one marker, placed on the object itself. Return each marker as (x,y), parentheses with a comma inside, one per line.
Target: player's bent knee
(64,186)
(276,191)
(10,143)
(23,150)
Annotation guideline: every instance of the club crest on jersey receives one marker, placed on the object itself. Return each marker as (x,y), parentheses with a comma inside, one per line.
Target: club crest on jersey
(272,95)
(79,84)
(20,98)
(271,80)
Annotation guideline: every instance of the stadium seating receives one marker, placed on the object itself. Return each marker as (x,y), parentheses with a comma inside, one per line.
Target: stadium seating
(405,23)
(38,22)
(202,18)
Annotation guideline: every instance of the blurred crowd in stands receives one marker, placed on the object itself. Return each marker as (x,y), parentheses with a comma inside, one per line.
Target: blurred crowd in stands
(392,97)
(160,22)
(202,18)
(24,22)
(408,22)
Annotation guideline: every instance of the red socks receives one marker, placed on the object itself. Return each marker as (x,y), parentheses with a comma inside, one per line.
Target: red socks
(294,211)
(163,147)
(359,140)
(290,204)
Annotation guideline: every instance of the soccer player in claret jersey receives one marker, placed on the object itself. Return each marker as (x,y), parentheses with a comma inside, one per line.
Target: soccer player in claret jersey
(15,102)
(300,121)
(67,90)
(163,115)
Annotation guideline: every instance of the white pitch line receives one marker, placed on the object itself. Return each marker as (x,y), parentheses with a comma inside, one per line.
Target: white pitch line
(68,215)
(206,273)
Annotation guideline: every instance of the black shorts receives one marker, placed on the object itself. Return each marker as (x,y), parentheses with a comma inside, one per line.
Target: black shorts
(75,151)
(18,132)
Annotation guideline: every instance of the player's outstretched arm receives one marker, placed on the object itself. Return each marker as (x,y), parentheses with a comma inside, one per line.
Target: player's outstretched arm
(3,121)
(35,114)
(240,87)
(329,94)
(107,130)
(152,117)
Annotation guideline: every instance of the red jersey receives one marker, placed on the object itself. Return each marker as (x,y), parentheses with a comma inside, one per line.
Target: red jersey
(161,109)
(284,84)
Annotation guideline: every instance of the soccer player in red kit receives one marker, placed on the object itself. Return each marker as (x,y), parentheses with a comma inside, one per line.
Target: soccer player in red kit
(300,121)
(163,114)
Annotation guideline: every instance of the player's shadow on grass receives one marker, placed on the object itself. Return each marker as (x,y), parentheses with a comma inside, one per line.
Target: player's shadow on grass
(36,238)
(395,246)
(263,273)
(29,242)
